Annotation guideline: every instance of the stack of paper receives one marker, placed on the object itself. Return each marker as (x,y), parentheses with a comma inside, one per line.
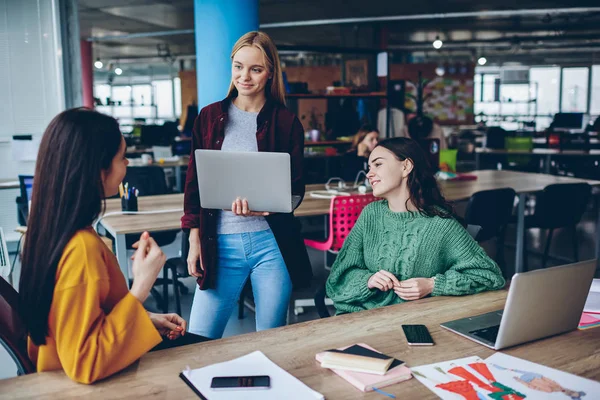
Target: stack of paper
(591,310)
(366,382)
(283,385)
(502,377)
(589,320)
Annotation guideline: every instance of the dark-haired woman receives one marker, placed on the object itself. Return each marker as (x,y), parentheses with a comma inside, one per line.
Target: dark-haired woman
(74,300)
(408,245)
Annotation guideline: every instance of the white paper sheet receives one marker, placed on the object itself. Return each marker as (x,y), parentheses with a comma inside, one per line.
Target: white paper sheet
(539,382)
(25,149)
(592,303)
(283,385)
(435,375)
(452,380)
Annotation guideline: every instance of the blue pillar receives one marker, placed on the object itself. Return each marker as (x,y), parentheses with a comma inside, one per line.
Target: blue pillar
(219,24)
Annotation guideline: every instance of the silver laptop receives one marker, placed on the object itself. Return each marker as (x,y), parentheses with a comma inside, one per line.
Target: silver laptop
(540,303)
(263,178)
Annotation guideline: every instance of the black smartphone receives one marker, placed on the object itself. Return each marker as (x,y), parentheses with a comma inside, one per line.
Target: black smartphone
(240,382)
(417,335)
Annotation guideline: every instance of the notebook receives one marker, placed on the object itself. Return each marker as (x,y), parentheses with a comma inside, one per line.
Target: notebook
(397,372)
(283,384)
(355,362)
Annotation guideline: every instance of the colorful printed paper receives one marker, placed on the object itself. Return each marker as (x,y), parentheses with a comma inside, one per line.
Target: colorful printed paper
(502,377)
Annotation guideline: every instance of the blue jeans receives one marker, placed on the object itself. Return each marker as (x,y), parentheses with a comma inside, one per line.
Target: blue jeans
(242,255)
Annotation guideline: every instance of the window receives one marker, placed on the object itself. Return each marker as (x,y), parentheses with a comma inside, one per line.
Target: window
(485,101)
(142,101)
(548,93)
(102,92)
(595,104)
(121,95)
(574,89)
(489,87)
(163,95)
(177,83)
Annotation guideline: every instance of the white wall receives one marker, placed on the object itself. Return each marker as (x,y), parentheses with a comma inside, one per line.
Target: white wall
(31,77)
(31,83)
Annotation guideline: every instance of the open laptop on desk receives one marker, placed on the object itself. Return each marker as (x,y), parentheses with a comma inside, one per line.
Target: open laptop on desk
(264,178)
(540,303)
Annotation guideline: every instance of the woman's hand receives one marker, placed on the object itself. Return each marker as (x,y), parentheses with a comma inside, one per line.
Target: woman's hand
(383,280)
(240,208)
(415,288)
(194,260)
(170,325)
(148,260)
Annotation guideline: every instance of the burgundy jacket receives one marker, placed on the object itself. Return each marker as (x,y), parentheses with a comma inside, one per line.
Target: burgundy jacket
(278,130)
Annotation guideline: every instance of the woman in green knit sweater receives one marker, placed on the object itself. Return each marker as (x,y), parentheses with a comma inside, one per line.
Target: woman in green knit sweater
(408,245)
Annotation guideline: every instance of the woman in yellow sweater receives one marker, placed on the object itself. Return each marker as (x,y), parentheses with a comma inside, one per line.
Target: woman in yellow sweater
(74,300)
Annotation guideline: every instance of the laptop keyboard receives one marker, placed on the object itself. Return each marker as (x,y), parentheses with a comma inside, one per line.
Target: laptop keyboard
(490,333)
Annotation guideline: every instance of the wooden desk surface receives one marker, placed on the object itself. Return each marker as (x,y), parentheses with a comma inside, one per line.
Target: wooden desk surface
(541,152)
(294,347)
(9,184)
(521,182)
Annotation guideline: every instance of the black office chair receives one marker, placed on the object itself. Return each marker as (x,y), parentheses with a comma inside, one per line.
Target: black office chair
(151,181)
(178,268)
(474,231)
(558,206)
(492,211)
(25,186)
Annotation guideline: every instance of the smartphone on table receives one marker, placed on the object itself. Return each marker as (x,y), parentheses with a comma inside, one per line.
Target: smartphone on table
(240,382)
(417,335)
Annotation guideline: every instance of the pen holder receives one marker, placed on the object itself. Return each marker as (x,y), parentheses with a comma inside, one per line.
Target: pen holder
(129,204)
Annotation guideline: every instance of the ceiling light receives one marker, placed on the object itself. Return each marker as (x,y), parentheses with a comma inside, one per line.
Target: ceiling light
(118,71)
(437,43)
(482,61)
(98,64)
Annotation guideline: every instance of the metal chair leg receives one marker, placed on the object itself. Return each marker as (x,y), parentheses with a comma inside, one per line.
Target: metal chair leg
(525,255)
(547,249)
(576,244)
(176,291)
(500,248)
(165,290)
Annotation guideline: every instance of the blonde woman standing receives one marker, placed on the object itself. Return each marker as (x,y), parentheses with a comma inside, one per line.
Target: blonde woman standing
(229,247)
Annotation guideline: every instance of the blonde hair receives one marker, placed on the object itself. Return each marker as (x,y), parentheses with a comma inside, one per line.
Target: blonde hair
(264,43)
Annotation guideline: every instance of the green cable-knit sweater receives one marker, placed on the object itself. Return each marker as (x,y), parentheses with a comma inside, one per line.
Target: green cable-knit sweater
(409,245)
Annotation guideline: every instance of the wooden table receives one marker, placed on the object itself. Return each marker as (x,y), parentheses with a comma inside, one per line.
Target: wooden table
(294,347)
(545,154)
(9,184)
(171,207)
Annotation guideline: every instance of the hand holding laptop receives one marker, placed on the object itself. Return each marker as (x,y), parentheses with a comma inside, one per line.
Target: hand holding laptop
(241,208)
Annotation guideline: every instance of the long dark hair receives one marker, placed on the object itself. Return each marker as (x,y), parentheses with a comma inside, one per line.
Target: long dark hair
(424,190)
(67,196)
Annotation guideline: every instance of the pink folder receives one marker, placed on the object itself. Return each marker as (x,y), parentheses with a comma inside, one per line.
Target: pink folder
(366,382)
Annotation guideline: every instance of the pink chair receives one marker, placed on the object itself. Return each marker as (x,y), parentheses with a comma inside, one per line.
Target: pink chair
(343,213)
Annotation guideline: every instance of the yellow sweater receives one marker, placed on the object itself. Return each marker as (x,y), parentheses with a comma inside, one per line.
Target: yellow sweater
(96,327)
